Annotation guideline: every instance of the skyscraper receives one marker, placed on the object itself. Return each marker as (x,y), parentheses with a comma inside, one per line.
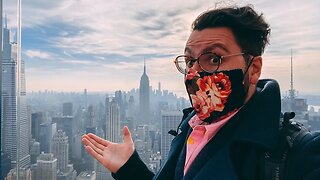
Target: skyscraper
(91,163)
(35,152)
(60,148)
(46,167)
(47,130)
(66,124)
(1,123)
(113,124)
(119,97)
(67,109)
(169,120)
(90,121)
(144,97)
(36,119)
(131,107)
(15,130)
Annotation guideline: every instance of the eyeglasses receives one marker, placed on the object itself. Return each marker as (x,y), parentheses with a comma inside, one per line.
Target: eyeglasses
(207,61)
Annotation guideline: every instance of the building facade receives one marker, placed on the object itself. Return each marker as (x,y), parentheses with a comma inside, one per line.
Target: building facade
(169,120)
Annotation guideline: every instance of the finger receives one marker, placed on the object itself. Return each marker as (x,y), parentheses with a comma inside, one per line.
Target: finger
(127,135)
(99,139)
(93,147)
(94,154)
(98,145)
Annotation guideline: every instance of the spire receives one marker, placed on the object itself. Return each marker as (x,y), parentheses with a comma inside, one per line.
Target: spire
(5,21)
(144,76)
(144,66)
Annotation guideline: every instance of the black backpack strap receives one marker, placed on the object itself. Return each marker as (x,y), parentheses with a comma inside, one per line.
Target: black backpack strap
(291,134)
(274,166)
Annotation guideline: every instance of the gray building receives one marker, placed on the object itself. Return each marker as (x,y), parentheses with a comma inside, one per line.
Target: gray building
(47,130)
(46,168)
(113,124)
(60,148)
(66,124)
(36,119)
(169,120)
(67,109)
(34,152)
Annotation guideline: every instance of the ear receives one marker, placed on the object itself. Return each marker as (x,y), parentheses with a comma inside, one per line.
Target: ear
(255,70)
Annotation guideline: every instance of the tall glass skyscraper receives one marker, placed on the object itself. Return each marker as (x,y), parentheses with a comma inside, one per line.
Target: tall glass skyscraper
(14,107)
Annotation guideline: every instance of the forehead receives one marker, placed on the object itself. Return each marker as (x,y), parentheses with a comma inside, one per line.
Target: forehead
(210,38)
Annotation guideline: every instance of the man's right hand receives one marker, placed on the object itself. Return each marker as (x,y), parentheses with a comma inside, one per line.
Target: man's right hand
(112,155)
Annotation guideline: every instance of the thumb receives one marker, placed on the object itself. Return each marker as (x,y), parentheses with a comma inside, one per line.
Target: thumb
(127,135)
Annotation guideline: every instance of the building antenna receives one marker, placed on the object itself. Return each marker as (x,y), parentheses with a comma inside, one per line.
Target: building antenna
(291,82)
(292,90)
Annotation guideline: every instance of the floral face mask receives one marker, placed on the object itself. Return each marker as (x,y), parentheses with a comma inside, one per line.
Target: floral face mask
(215,94)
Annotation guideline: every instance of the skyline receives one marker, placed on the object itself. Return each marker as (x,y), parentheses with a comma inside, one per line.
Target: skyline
(102,48)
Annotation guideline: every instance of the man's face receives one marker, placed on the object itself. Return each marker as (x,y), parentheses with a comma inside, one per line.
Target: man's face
(220,41)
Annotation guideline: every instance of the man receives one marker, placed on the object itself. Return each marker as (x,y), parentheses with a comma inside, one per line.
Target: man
(234,119)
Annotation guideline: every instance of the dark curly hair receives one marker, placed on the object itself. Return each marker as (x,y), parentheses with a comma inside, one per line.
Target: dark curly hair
(249,28)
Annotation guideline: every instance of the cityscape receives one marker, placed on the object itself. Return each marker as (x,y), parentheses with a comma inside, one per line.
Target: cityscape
(41,130)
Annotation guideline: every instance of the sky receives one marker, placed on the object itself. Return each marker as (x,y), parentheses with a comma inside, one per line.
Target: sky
(72,45)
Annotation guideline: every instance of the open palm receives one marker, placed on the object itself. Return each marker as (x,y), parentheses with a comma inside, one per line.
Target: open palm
(111,155)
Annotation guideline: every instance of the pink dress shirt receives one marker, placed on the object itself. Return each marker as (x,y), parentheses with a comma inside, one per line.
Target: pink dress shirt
(201,135)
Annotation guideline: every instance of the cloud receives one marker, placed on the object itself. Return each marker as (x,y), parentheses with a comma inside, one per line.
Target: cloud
(37,54)
(78,62)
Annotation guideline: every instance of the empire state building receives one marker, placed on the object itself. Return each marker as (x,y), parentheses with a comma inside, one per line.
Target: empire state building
(144,98)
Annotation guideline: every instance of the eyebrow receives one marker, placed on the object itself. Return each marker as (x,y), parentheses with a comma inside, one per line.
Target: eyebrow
(216,45)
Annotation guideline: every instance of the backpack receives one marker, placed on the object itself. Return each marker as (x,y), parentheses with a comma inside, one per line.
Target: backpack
(291,133)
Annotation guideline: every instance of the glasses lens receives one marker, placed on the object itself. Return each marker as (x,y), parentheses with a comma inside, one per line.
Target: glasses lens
(182,62)
(209,62)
